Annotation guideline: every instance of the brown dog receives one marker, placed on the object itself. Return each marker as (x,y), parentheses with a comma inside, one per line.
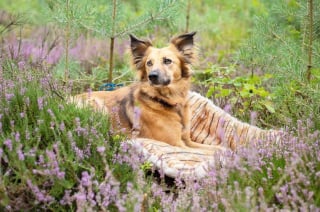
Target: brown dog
(156,107)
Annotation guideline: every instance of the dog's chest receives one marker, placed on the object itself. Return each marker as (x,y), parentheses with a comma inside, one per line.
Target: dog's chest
(165,118)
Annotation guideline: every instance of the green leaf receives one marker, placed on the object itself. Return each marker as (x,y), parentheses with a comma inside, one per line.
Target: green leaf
(210,91)
(225,92)
(269,106)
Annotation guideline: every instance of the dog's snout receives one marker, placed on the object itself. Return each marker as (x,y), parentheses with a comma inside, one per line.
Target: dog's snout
(154,76)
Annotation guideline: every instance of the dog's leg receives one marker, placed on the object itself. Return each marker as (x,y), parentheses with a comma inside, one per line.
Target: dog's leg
(186,138)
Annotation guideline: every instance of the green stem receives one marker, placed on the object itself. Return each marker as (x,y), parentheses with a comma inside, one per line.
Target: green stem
(66,71)
(188,16)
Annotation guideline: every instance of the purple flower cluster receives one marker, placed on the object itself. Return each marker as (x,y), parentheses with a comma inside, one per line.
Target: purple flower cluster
(40,195)
(46,49)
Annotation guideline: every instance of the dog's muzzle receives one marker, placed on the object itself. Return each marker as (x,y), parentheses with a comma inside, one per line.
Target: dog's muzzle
(157,78)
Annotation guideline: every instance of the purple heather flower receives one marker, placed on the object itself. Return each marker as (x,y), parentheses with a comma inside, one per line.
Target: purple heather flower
(40,103)
(27,135)
(8,144)
(101,149)
(136,117)
(253,118)
(20,154)
(62,126)
(60,175)
(40,195)
(77,121)
(54,55)
(23,91)
(9,96)
(52,124)
(227,108)
(17,137)
(80,197)
(27,101)
(79,152)
(85,179)
(21,65)
(89,93)
(32,152)
(22,115)
(51,113)
(123,130)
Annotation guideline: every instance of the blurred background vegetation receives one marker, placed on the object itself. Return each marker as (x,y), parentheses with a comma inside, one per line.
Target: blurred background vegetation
(254,55)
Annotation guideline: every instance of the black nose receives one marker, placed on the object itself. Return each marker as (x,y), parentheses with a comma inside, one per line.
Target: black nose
(154,76)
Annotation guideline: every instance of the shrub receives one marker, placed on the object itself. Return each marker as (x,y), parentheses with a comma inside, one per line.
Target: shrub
(56,156)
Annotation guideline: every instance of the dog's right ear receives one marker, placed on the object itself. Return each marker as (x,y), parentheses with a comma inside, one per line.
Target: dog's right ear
(138,50)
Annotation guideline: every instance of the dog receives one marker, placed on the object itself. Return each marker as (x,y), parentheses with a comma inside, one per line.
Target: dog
(155,107)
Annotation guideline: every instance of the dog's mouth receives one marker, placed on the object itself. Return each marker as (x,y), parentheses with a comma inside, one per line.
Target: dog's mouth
(159,84)
(157,79)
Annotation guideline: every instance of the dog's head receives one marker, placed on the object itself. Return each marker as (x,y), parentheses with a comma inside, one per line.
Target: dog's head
(163,66)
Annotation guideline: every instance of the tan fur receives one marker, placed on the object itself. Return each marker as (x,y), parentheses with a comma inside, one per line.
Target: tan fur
(159,101)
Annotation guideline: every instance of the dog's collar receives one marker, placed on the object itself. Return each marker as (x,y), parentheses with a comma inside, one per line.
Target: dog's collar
(160,101)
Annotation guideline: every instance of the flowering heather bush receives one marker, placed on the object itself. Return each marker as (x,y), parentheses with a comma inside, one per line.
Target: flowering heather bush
(55,156)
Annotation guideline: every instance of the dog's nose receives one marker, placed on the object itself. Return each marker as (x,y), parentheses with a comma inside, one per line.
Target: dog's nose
(153,77)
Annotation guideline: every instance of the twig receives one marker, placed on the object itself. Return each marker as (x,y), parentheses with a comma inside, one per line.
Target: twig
(188,15)
(310,15)
(67,34)
(114,12)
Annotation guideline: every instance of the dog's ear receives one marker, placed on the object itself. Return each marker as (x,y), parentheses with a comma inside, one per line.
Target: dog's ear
(138,50)
(184,43)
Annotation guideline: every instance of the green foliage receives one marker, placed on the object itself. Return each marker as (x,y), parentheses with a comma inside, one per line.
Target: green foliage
(278,45)
(245,94)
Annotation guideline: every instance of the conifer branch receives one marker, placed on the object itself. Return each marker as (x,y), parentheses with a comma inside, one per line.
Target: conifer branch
(151,18)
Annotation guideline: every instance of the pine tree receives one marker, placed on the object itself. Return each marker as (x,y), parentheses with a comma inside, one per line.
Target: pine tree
(285,42)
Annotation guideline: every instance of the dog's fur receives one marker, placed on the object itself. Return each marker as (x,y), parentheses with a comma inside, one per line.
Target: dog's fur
(156,107)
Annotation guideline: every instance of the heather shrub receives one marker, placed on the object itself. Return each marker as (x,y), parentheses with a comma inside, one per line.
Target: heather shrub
(54,155)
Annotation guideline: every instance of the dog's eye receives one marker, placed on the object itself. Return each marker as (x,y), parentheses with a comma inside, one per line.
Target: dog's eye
(149,63)
(167,61)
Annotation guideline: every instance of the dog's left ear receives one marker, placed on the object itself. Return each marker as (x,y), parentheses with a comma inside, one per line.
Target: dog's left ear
(184,43)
